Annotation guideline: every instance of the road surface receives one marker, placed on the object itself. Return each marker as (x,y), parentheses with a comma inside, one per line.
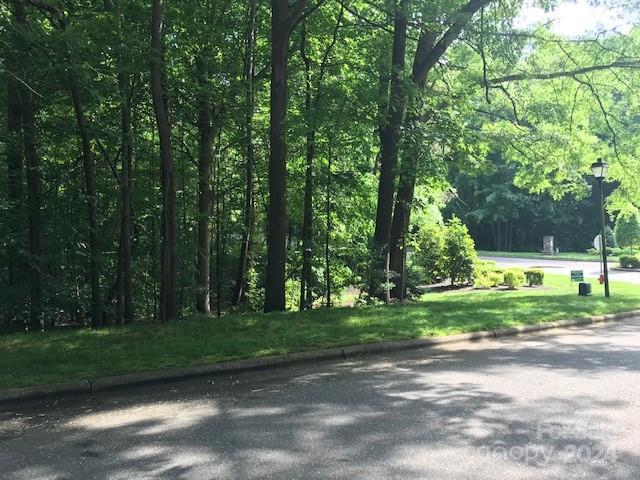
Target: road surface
(564,267)
(565,404)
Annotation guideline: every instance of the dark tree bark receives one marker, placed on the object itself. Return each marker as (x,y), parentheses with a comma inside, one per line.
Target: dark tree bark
(248,217)
(15,190)
(16,260)
(389,139)
(34,207)
(312,103)
(283,18)
(124,282)
(125,275)
(428,53)
(307,223)
(327,239)
(205,128)
(168,262)
(34,188)
(90,191)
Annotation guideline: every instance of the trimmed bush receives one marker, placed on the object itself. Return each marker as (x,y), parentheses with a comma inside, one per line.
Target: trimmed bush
(459,252)
(514,278)
(630,261)
(496,278)
(481,280)
(535,277)
(486,274)
(428,260)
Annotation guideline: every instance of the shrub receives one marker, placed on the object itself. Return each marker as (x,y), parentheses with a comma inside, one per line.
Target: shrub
(630,261)
(496,278)
(627,231)
(514,278)
(481,280)
(535,277)
(428,259)
(459,252)
(486,274)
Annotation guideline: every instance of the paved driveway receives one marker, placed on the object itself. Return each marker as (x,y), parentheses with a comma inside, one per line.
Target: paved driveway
(564,267)
(565,404)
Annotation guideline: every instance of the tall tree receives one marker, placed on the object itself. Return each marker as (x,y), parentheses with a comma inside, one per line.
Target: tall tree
(14,151)
(168,262)
(34,185)
(313,96)
(248,223)
(283,19)
(205,128)
(124,280)
(90,191)
(432,45)
(389,138)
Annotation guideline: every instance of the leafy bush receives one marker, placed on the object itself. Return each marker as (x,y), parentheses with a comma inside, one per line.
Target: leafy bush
(428,259)
(535,277)
(630,261)
(459,252)
(481,280)
(514,278)
(486,274)
(627,231)
(496,278)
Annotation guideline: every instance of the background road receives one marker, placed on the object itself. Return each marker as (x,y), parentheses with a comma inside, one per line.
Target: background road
(565,404)
(564,267)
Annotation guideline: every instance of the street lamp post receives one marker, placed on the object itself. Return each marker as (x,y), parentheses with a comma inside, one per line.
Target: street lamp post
(599,170)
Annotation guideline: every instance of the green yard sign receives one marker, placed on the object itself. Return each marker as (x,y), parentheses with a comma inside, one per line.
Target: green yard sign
(577,275)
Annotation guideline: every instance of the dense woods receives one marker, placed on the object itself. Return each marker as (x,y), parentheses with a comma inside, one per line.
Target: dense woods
(165,158)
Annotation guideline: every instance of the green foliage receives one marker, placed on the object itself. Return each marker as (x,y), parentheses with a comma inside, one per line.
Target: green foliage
(535,277)
(459,252)
(429,257)
(627,230)
(76,354)
(630,261)
(514,278)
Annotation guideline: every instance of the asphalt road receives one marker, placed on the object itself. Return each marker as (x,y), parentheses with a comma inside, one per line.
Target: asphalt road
(564,404)
(564,267)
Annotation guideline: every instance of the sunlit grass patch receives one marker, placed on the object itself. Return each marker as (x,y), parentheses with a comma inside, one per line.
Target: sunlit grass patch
(59,356)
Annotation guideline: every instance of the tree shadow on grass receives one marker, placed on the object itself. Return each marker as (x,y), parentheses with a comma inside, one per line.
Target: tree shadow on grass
(433,413)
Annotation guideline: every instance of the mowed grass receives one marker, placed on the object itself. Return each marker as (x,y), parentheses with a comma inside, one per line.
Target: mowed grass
(59,356)
(575,256)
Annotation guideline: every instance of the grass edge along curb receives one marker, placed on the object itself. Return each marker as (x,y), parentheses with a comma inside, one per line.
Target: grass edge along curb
(91,386)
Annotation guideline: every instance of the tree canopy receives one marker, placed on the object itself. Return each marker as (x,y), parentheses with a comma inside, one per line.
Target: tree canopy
(202,156)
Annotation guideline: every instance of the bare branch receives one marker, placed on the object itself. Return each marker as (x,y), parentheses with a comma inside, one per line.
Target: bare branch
(567,73)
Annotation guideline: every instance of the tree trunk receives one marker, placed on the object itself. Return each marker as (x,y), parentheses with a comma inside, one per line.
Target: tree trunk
(389,157)
(248,218)
(34,208)
(125,280)
(427,54)
(15,156)
(283,18)
(15,193)
(124,304)
(168,262)
(90,191)
(327,251)
(307,223)
(401,215)
(205,128)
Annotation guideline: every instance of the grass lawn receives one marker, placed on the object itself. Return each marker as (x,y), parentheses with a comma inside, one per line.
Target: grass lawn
(58,356)
(576,256)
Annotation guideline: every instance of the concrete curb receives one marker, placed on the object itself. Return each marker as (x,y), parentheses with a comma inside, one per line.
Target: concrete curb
(91,386)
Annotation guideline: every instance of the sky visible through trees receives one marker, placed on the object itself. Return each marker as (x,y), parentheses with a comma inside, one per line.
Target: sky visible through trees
(162,159)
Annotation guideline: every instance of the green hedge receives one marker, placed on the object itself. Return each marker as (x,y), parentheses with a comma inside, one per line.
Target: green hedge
(535,277)
(630,261)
